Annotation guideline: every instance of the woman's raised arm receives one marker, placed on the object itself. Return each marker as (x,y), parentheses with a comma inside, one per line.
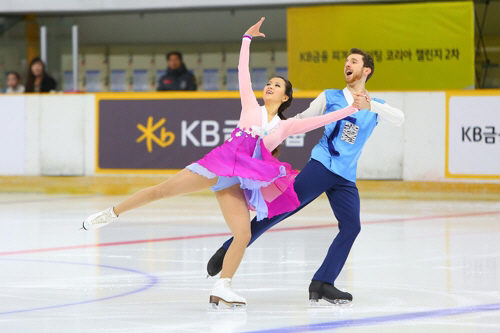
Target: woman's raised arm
(248,99)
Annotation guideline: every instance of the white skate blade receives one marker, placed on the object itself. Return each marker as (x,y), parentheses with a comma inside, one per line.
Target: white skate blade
(324,304)
(225,306)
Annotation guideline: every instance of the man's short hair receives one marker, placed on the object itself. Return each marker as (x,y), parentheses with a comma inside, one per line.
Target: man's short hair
(177,53)
(367,60)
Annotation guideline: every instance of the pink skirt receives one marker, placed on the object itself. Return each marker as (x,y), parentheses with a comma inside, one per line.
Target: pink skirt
(267,182)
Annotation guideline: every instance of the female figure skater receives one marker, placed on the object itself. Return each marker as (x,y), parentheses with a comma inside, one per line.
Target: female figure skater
(242,172)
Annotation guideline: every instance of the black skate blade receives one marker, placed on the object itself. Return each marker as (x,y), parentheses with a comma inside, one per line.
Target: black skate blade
(324,303)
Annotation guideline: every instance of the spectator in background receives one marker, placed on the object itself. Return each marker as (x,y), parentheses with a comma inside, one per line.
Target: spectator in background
(38,80)
(177,76)
(14,83)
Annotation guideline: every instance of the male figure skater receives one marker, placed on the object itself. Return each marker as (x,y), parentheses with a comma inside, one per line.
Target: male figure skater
(332,169)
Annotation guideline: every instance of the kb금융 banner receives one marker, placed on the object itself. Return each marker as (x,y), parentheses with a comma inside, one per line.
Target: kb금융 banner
(424,46)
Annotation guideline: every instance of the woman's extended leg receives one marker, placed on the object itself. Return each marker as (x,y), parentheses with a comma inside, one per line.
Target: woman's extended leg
(182,183)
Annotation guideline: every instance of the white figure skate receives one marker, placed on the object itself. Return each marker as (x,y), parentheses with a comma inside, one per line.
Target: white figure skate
(100,219)
(222,292)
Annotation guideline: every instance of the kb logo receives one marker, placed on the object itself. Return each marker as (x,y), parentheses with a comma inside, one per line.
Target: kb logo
(165,139)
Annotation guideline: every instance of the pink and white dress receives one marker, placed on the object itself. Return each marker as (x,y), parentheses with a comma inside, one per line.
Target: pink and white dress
(246,158)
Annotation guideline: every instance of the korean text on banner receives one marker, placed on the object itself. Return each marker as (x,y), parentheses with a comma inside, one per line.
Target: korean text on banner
(424,46)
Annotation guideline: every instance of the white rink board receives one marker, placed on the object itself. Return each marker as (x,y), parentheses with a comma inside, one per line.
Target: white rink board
(474,136)
(59,138)
(12,135)
(62,140)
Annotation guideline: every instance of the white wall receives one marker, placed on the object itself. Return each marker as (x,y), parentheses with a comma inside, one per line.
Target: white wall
(56,136)
(62,135)
(12,135)
(32,130)
(382,156)
(59,132)
(89,135)
(424,151)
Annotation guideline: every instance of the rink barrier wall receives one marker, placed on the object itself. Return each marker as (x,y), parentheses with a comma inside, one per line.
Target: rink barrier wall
(55,135)
(479,132)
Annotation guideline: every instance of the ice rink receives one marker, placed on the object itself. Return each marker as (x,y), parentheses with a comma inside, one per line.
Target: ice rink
(417,266)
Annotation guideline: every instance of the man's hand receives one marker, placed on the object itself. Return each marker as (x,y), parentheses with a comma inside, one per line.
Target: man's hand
(361,101)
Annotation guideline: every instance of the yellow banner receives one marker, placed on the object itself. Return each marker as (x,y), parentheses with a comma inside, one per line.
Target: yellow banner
(424,46)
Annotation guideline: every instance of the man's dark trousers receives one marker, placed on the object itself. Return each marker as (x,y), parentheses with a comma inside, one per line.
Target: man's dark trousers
(343,195)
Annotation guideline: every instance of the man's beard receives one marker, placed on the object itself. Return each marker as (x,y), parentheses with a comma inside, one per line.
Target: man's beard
(354,77)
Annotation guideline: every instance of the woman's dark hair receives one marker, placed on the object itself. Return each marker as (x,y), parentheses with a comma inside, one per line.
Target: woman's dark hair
(30,78)
(284,105)
(289,93)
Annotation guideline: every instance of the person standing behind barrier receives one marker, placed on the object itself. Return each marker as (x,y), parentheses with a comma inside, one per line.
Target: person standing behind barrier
(14,83)
(38,80)
(177,76)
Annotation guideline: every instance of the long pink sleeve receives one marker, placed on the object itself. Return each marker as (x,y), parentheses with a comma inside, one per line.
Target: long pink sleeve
(296,126)
(248,99)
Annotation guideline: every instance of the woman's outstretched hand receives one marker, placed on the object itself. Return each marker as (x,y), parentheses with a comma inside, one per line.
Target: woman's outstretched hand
(254,29)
